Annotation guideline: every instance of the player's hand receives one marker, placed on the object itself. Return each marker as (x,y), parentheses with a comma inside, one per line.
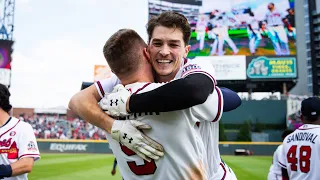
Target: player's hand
(115,103)
(113,172)
(128,134)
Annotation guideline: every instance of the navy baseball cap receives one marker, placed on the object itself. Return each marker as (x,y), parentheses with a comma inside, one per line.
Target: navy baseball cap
(310,107)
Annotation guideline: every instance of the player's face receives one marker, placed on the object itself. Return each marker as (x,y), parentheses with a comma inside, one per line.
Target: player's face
(291,11)
(167,52)
(270,6)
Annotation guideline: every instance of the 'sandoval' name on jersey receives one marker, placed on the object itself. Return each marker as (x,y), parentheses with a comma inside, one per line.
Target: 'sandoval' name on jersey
(68,147)
(302,136)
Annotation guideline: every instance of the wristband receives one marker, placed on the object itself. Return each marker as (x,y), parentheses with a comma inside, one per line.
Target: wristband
(5,170)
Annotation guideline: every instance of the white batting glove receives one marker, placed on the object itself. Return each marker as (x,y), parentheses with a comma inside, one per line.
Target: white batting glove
(115,103)
(128,133)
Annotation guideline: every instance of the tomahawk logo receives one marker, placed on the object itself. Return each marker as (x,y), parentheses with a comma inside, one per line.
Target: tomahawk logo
(68,147)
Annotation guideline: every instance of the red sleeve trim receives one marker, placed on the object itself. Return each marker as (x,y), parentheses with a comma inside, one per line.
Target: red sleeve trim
(144,86)
(219,105)
(284,166)
(100,88)
(30,155)
(225,171)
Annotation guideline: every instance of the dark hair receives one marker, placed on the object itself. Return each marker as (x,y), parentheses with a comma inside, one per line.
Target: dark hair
(286,132)
(123,51)
(170,19)
(4,98)
(311,118)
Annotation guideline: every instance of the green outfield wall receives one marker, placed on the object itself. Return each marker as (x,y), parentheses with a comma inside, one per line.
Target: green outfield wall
(266,111)
(93,146)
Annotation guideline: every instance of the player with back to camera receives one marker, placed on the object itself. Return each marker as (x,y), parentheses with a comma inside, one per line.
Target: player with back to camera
(300,157)
(275,172)
(18,145)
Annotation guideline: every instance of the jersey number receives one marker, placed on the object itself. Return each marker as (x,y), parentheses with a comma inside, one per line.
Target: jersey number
(144,169)
(304,158)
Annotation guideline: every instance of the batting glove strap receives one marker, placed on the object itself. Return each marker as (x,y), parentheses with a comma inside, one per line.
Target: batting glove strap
(116,130)
(5,171)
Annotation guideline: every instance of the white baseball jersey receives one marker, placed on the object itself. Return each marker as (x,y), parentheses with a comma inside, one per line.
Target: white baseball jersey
(185,156)
(301,155)
(275,168)
(201,25)
(209,131)
(230,19)
(274,18)
(253,22)
(17,141)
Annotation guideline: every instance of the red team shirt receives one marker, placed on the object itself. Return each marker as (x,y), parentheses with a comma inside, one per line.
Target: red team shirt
(17,141)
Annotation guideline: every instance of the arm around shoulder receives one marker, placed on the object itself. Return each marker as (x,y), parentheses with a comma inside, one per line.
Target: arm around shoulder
(179,94)
(85,105)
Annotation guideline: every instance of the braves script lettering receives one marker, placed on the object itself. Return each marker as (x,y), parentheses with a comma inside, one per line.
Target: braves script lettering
(5,143)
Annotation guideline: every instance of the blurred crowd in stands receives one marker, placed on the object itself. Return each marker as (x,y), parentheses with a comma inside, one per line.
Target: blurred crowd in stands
(58,127)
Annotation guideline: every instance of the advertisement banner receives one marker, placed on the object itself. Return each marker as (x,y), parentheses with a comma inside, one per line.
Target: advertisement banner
(272,67)
(101,72)
(227,67)
(73,147)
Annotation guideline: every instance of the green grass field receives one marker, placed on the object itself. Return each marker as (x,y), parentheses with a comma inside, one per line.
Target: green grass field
(98,166)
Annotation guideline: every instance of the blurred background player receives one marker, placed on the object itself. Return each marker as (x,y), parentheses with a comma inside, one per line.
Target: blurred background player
(201,30)
(18,145)
(276,31)
(291,22)
(275,169)
(300,156)
(212,33)
(253,33)
(224,21)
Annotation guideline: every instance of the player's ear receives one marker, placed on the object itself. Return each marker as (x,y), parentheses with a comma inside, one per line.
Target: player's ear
(146,53)
(186,49)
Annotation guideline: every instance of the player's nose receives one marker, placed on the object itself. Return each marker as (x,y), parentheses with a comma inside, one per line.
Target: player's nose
(164,51)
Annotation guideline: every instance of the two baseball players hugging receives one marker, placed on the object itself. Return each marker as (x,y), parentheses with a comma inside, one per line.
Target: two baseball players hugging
(169,129)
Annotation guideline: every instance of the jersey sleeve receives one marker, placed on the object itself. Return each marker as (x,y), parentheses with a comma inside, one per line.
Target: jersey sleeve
(211,109)
(280,157)
(107,85)
(199,66)
(27,143)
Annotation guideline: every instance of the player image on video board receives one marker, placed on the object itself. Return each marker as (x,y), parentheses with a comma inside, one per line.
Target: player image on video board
(236,27)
